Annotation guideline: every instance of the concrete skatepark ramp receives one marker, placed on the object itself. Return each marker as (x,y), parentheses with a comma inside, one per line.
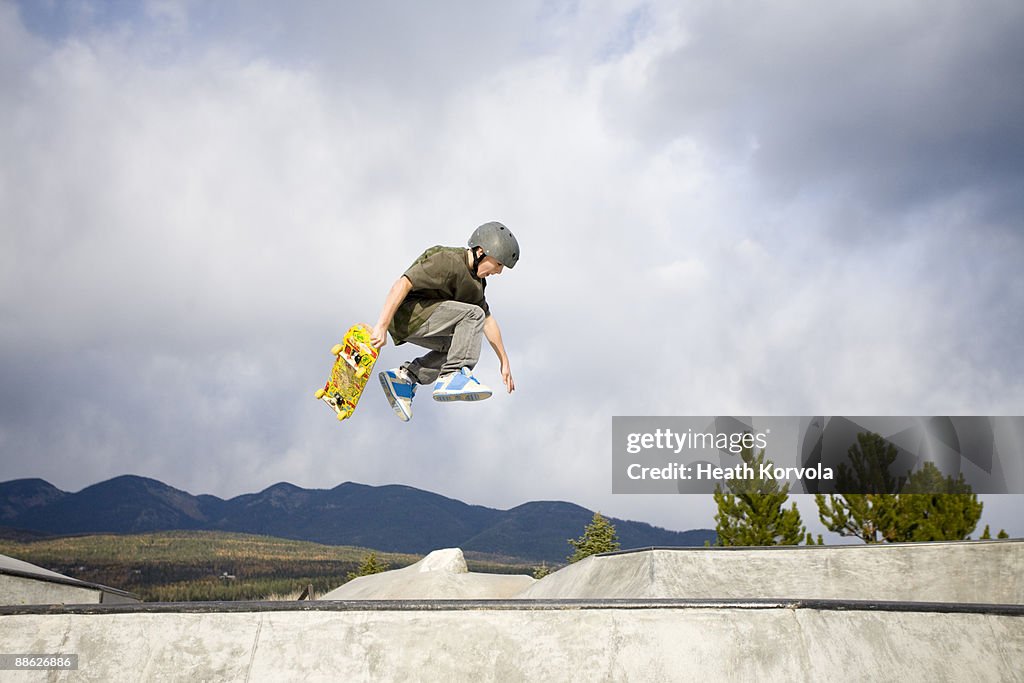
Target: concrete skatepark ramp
(22,583)
(441,575)
(773,638)
(958,571)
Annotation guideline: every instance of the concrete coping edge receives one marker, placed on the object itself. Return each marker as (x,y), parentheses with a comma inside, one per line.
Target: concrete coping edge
(512,605)
(807,548)
(67,581)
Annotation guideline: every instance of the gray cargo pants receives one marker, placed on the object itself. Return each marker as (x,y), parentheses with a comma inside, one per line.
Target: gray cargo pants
(452,333)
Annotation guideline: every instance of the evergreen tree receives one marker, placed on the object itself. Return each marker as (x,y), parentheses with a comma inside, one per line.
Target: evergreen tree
(752,513)
(871,515)
(370,565)
(987,535)
(598,537)
(541,571)
(925,506)
(810,540)
(870,460)
(936,508)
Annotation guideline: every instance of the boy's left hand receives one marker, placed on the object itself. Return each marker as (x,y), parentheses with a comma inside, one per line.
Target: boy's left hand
(506,377)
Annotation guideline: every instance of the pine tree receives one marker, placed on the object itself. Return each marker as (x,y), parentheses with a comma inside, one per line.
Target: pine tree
(925,506)
(870,516)
(987,534)
(370,565)
(870,460)
(810,540)
(936,508)
(598,537)
(752,513)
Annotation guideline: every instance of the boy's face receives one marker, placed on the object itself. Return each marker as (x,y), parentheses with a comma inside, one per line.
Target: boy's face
(489,266)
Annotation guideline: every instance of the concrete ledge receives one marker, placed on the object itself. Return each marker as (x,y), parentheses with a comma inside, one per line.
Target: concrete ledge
(959,571)
(639,640)
(23,583)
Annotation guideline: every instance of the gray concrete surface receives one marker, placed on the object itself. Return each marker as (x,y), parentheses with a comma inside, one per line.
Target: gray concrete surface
(968,572)
(952,628)
(520,641)
(441,575)
(20,590)
(23,583)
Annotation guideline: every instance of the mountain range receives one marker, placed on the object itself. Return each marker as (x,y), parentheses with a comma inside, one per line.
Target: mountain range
(391,518)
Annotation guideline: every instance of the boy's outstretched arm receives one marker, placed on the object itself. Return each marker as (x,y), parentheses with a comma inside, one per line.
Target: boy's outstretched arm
(493,334)
(399,290)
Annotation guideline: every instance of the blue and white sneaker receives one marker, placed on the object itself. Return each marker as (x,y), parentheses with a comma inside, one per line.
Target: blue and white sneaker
(399,390)
(460,386)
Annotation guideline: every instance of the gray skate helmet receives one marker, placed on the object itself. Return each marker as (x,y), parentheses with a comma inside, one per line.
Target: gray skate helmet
(497,242)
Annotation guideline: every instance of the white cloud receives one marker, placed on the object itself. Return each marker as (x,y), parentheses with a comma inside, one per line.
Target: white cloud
(687,275)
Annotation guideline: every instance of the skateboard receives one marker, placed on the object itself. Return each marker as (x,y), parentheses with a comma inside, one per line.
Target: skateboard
(353,363)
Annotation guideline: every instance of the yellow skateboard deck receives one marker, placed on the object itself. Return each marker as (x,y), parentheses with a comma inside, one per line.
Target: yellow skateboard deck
(353,363)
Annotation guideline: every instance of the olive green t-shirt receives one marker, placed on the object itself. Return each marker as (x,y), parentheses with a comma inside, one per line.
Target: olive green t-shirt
(439,274)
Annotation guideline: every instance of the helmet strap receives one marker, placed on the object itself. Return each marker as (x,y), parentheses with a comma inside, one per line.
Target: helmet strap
(477,258)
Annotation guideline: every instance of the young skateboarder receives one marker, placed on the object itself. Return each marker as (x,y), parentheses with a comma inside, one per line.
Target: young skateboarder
(439,304)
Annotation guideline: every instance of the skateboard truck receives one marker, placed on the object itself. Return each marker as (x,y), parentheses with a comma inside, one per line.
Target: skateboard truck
(352,356)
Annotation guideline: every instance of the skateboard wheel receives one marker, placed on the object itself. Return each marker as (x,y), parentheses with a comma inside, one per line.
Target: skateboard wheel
(340,417)
(320,394)
(336,349)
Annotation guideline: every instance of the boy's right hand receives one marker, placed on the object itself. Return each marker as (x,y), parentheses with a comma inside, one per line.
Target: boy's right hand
(379,336)
(396,295)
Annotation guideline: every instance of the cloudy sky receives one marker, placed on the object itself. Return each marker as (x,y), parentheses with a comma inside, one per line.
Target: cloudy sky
(724,209)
